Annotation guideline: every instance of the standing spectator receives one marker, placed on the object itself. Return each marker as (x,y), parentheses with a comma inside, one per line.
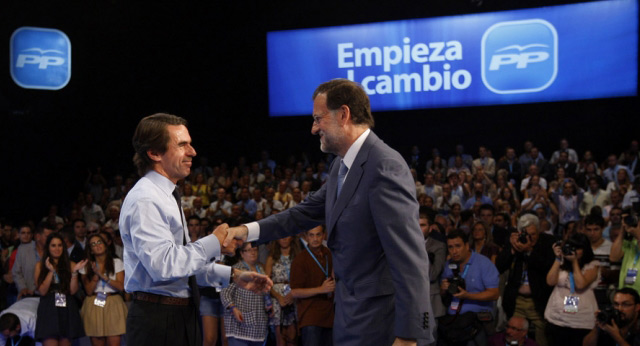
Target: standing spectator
(595,196)
(103,311)
(572,156)
(445,202)
(622,182)
(80,231)
(58,319)
(312,284)
(245,316)
(282,253)
(568,202)
(28,255)
(488,164)
(572,305)
(92,212)
(511,164)
(437,252)
(601,249)
(478,196)
(625,248)
(482,242)
(528,256)
(630,158)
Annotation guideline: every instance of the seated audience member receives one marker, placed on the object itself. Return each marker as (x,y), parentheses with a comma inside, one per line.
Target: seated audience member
(594,196)
(568,202)
(572,156)
(91,211)
(245,317)
(437,165)
(476,295)
(283,195)
(458,166)
(533,176)
(58,320)
(467,160)
(220,207)
(528,256)
(194,228)
(623,182)
(625,249)
(296,193)
(455,217)
(446,200)
(591,170)
(632,198)
(198,208)
(484,162)
(271,204)
(201,189)
(430,188)
(103,310)
(615,220)
(312,285)
(478,196)
(114,217)
(482,242)
(568,166)
(437,251)
(515,334)
(601,249)
(511,165)
(18,323)
(571,309)
(620,328)
(610,174)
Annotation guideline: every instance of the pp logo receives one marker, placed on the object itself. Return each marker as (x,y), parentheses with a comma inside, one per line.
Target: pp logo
(40,58)
(519,56)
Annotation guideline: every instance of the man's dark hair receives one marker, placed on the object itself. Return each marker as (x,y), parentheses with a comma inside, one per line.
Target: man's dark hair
(44,225)
(487,206)
(504,215)
(78,220)
(594,219)
(345,92)
(151,134)
(458,233)
(466,215)
(68,234)
(9,321)
(193,217)
(427,213)
(630,291)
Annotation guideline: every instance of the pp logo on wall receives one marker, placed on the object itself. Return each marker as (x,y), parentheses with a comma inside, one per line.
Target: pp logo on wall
(519,56)
(40,58)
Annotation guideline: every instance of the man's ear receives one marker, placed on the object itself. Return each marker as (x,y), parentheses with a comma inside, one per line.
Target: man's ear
(153,155)
(345,115)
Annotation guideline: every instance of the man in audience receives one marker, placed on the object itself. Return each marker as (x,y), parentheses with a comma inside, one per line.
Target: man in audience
(478,196)
(632,198)
(80,232)
(430,188)
(511,164)
(595,196)
(615,220)
(437,252)
(533,175)
(488,164)
(193,225)
(625,248)
(221,207)
(611,172)
(91,211)
(601,249)
(28,255)
(247,204)
(502,229)
(528,255)
(623,330)
(572,156)
(479,274)
(312,285)
(443,203)
(114,217)
(198,208)
(467,160)
(18,323)
(74,250)
(564,163)
(271,204)
(514,334)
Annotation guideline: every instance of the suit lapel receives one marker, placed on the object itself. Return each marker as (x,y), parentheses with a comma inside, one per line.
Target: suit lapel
(350,184)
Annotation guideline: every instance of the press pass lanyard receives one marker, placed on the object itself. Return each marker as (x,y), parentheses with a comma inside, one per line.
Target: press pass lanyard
(16,343)
(572,283)
(249,268)
(325,270)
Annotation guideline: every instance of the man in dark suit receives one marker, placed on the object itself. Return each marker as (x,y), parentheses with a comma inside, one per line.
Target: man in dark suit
(368,205)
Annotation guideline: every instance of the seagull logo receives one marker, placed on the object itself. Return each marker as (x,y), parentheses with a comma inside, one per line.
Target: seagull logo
(522,48)
(42,51)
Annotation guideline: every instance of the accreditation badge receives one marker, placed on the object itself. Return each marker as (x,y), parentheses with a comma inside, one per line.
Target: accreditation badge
(61,300)
(101,299)
(571,304)
(632,275)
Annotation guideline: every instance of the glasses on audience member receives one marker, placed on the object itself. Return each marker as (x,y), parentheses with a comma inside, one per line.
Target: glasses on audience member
(96,243)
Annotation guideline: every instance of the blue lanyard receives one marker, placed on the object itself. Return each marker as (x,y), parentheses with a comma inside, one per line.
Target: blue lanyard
(325,270)
(466,269)
(635,260)
(249,268)
(572,283)
(19,340)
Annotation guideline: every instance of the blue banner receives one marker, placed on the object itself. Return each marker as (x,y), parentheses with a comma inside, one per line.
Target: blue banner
(568,52)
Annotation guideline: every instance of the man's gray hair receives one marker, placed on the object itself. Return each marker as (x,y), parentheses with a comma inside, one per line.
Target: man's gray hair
(527,220)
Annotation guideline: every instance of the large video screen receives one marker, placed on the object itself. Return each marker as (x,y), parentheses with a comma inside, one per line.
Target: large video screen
(568,52)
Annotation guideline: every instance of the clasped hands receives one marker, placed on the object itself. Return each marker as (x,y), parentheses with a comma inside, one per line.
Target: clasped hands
(230,238)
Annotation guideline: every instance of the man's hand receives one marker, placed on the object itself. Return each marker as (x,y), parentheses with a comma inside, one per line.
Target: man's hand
(462,293)
(252,281)
(404,342)
(237,235)
(221,233)
(328,286)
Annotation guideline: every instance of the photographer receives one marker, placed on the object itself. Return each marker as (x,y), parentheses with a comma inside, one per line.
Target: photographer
(528,256)
(572,304)
(471,281)
(625,248)
(620,325)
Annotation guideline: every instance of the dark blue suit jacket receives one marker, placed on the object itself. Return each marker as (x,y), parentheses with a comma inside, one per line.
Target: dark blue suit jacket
(379,259)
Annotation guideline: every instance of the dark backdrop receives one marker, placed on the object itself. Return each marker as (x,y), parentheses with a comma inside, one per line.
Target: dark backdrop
(207,63)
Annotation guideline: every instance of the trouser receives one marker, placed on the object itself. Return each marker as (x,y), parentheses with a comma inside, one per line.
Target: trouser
(316,336)
(156,324)
(526,308)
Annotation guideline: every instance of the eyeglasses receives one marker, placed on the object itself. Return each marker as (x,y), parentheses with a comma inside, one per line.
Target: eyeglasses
(96,243)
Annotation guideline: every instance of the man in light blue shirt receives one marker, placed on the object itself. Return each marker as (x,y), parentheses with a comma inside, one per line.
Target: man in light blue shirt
(160,263)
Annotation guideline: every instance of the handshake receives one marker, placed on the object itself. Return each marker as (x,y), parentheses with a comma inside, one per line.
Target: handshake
(230,238)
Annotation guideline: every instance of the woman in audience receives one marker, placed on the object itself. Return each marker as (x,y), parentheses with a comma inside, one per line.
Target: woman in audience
(201,189)
(103,312)
(568,202)
(482,242)
(278,267)
(437,166)
(558,183)
(454,215)
(622,183)
(507,196)
(571,307)
(245,315)
(58,320)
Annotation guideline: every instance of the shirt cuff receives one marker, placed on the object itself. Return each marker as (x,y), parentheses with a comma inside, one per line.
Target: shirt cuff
(217,275)
(210,245)
(254,231)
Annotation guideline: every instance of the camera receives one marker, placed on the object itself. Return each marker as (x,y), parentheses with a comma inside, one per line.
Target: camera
(523,237)
(631,219)
(568,249)
(455,281)
(607,315)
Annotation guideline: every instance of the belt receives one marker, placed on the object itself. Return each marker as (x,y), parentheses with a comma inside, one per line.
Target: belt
(160,299)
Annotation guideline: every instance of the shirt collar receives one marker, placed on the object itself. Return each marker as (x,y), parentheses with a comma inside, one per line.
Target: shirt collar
(351,154)
(161,181)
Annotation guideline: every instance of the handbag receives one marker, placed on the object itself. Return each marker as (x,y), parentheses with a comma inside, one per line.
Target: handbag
(459,327)
(290,335)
